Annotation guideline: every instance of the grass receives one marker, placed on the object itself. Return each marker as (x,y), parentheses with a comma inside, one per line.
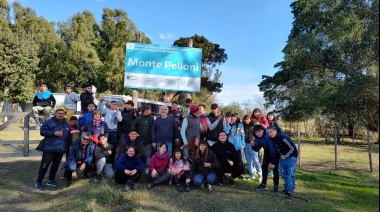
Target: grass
(350,188)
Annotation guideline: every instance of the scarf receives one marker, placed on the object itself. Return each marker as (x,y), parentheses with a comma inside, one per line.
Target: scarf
(96,122)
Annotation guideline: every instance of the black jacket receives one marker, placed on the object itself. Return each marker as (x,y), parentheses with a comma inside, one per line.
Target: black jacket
(199,168)
(100,152)
(224,151)
(85,99)
(124,127)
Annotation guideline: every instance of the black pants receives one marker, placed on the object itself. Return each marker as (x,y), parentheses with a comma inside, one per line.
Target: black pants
(264,168)
(236,170)
(122,178)
(87,169)
(47,158)
(176,179)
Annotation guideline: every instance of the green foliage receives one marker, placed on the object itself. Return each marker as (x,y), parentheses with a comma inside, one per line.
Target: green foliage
(233,107)
(330,64)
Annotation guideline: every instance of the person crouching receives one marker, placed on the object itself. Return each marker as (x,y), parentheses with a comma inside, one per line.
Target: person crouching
(104,155)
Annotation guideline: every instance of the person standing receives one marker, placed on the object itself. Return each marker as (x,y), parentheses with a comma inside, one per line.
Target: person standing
(112,116)
(251,156)
(164,130)
(273,122)
(57,138)
(70,102)
(86,97)
(128,116)
(133,140)
(143,125)
(258,118)
(288,159)
(203,120)
(191,126)
(174,109)
(216,123)
(96,127)
(85,118)
(43,101)
(186,107)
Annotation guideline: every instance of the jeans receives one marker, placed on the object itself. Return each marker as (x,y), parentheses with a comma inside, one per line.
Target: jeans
(112,138)
(170,146)
(288,173)
(252,158)
(47,158)
(199,178)
(185,152)
(159,178)
(103,167)
(148,152)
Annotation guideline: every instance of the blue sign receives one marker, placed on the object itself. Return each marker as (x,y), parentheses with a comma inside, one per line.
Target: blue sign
(149,66)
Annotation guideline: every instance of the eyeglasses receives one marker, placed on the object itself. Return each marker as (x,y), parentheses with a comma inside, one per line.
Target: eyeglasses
(86,139)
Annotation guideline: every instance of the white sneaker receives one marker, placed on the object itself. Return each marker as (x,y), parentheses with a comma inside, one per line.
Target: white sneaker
(209,187)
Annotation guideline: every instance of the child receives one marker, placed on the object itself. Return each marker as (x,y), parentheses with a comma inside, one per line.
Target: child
(85,118)
(178,167)
(74,128)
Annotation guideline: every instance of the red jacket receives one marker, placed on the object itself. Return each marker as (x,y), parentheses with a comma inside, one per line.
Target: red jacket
(159,162)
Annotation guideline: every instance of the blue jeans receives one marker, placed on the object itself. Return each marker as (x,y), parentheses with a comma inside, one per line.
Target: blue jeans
(148,152)
(288,173)
(170,146)
(185,152)
(198,180)
(252,158)
(104,168)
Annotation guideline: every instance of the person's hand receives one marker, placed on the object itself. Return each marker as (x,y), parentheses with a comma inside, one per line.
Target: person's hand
(207,165)
(271,166)
(154,173)
(109,152)
(74,175)
(133,172)
(58,133)
(82,167)
(154,145)
(81,115)
(220,116)
(252,143)
(53,110)
(185,145)
(127,172)
(188,180)
(177,141)
(283,157)
(230,162)
(101,99)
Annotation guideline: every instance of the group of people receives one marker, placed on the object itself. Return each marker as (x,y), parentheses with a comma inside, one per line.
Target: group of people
(183,145)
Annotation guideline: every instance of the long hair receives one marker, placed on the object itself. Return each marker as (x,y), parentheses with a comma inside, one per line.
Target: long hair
(274,116)
(237,122)
(198,153)
(258,117)
(181,158)
(192,148)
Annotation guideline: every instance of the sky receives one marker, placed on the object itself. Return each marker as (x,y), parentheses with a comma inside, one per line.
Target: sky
(252,32)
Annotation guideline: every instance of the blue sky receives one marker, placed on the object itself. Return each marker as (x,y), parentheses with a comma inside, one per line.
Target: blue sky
(252,32)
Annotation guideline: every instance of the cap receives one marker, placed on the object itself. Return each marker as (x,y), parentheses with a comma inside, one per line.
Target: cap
(214,106)
(193,108)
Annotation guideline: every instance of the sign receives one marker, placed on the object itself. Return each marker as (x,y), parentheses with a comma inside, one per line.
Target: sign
(149,66)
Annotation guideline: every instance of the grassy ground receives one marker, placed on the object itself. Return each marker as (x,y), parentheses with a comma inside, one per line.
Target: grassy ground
(351,188)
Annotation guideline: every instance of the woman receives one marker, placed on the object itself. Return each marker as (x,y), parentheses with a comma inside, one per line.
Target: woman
(203,166)
(273,122)
(128,168)
(193,145)
(258,118)
(236,134)
(158,166)
(179,168)
(251,156)
(96,127)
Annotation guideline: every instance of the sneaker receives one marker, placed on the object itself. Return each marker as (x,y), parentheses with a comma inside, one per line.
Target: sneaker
(69,183)
(52,183)
(150,185)
(127,186)
(252,177)
(221,181)
(285,192)
(202,186)
(179,188)
(231,182)
(170,182)
(261,187)
(38,186)
(260,179)
(187,189)
(209,187)
(134,186)
(147,171)
(275,189)
(98,178)
(289,196)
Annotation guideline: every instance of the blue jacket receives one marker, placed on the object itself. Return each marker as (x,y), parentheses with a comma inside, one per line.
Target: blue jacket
(285,145)
(75,154)
(234,136)
(269,146)
(164,129)
(125,162)
(54,143)
(87,118)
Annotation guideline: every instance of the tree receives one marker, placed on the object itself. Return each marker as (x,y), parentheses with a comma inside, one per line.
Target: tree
(330,63)
(212,55)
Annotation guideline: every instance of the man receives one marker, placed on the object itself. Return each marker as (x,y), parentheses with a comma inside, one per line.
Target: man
(203,120)
(85,118)
(191,126)
(128,116)
(86,97)
(186,107)
(81,155)
(164,130)
(288,159)
(57,138)
(104,156)
(112,116)
(228,159)
(132,139)
(143,125)
(70,102)
(43,101)
(174,109)
(216,123)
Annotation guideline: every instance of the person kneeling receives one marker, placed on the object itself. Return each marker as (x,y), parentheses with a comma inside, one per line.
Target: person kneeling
(179,167)
(158,166)
(128,168)
(80,155)
(104,158)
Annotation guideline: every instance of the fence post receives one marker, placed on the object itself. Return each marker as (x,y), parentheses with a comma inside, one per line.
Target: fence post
(299,145)
(26,135)
(369,151)
(336,147)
